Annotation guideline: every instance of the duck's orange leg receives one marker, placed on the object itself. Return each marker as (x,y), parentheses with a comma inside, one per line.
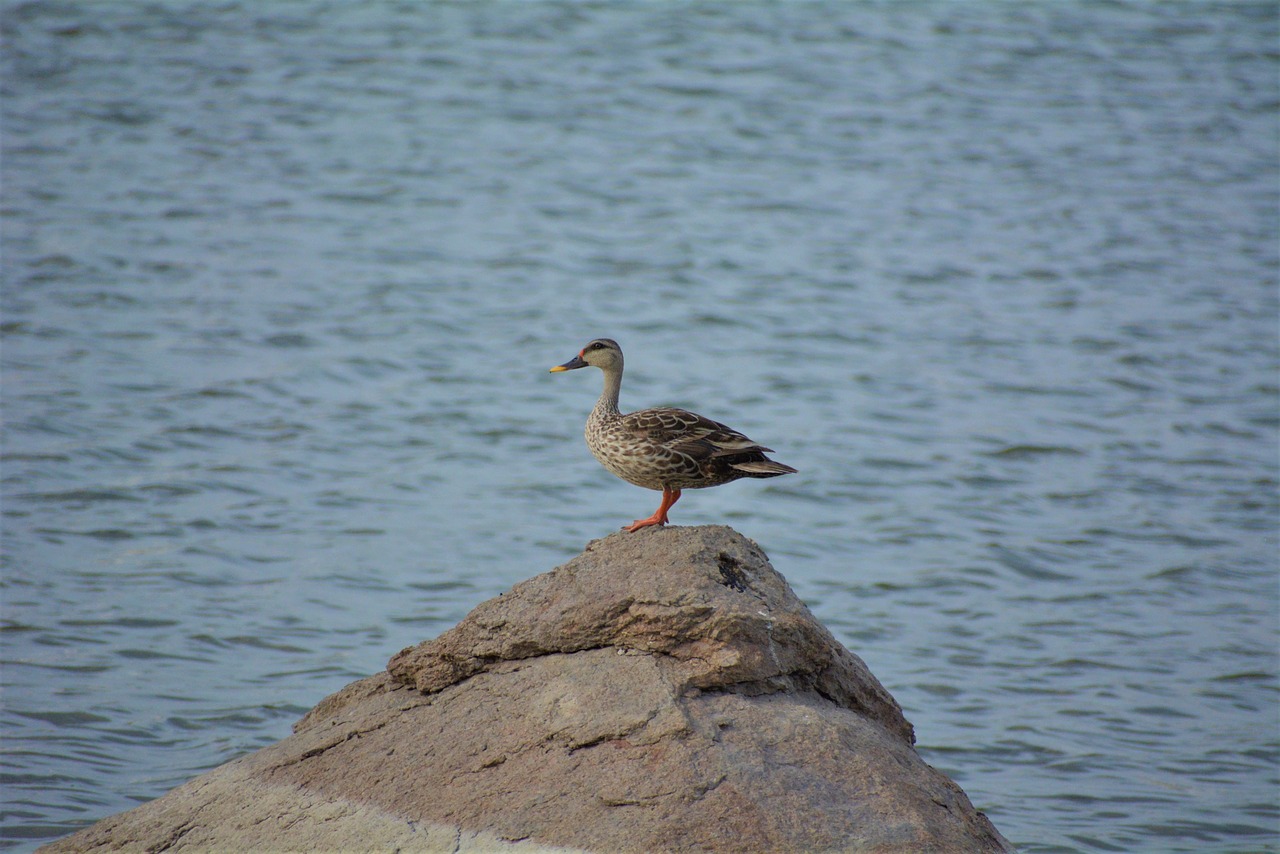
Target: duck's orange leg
(659,517)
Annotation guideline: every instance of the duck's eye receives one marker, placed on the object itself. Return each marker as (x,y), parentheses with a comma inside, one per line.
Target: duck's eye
(595,345)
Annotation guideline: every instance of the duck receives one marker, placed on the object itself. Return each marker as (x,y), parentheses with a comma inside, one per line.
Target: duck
(664,449)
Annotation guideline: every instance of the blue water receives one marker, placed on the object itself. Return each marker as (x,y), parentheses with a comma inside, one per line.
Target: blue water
(281,283)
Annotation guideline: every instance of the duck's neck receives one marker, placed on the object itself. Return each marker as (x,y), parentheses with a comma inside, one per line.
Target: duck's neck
(607,405)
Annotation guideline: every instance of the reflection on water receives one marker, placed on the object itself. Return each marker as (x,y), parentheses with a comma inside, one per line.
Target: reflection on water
(281,285)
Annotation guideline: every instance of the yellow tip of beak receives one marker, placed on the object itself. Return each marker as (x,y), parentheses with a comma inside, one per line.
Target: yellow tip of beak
(558,368)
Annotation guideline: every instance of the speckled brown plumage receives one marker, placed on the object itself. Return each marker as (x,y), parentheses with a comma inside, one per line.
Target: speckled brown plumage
(663,449)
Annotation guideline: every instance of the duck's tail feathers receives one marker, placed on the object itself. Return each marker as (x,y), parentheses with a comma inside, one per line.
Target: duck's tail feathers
(763,468)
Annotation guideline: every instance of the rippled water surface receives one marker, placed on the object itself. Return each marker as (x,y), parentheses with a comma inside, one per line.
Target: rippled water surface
(282,283)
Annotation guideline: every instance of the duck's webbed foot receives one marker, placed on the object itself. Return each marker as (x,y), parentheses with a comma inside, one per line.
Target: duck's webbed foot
(659,517)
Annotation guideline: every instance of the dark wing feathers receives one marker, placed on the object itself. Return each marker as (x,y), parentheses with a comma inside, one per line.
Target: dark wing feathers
(695,436)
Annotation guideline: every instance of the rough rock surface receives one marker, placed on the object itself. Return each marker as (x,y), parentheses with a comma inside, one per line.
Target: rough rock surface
(663,691)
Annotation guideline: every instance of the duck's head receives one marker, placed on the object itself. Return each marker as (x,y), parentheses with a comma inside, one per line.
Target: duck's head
(603,353)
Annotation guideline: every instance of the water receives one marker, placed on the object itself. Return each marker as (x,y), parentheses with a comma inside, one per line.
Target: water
(282,283)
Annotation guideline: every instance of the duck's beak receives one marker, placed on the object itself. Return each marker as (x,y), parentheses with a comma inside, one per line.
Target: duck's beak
(575,362)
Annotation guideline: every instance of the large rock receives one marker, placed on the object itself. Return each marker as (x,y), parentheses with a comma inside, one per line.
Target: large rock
(663,691)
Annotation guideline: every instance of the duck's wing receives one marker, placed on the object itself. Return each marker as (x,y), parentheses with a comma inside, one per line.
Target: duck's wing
(691,434)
